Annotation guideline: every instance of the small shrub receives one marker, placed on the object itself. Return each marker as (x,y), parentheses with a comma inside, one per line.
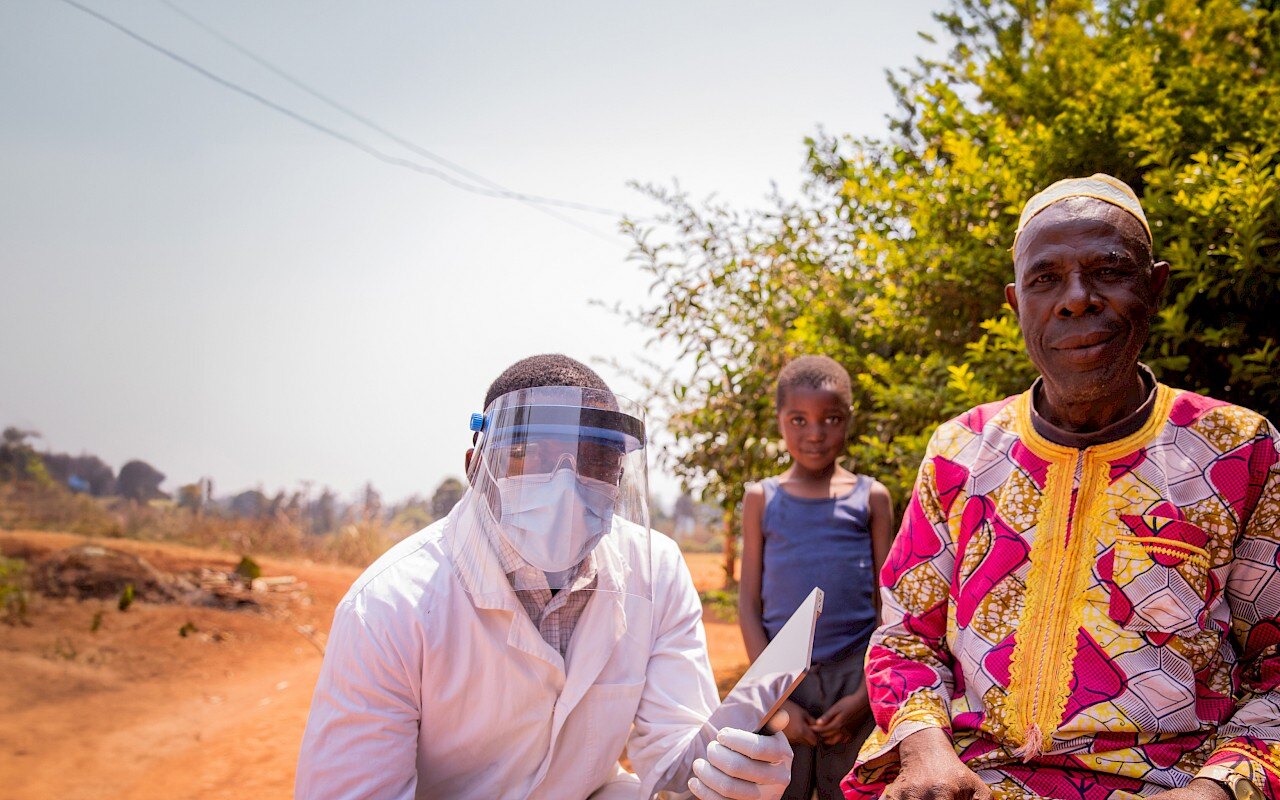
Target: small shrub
(720,604)
(126,597)
(248,569)
(13,590)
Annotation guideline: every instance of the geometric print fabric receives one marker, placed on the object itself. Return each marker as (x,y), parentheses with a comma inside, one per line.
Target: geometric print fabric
(1101,623)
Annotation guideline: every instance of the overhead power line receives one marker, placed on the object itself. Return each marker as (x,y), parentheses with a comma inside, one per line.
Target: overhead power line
(371,124)
(368,149)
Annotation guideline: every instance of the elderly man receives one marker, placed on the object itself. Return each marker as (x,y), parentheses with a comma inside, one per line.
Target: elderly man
(1083,599)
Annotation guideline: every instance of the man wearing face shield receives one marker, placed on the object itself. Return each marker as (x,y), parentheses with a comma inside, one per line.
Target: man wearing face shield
(514,648)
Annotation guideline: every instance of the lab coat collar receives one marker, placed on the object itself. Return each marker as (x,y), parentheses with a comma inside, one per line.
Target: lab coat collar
(604,616)
(477,565)
(486,584)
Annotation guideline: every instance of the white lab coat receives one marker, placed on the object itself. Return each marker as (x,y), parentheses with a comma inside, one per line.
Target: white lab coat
(428,691)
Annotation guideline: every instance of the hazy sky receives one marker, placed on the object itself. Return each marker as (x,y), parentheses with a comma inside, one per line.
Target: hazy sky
(193,279)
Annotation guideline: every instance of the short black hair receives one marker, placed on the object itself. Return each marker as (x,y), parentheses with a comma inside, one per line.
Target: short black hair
(814,372)
(549,369)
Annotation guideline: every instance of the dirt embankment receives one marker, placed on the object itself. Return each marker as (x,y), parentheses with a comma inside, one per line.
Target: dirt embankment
(173,700)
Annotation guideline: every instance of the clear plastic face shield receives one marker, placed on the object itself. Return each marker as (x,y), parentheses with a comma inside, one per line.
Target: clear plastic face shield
(559,492)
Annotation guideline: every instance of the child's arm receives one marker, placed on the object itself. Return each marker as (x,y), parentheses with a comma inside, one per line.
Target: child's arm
(846,714)
(880,522)
(750,607)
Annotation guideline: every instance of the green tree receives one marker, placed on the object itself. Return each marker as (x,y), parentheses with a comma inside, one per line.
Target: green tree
(19,460)
(894,257)
(140,482)
(322,514)
(446,496)
(191,496)
(249,504)
(370,503)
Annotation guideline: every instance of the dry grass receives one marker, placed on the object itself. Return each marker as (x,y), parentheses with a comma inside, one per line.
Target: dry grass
(52,508)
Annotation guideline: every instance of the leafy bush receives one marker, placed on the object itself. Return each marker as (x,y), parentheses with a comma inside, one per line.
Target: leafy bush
(720,604)
(248,568)
(894,258)
(13,590)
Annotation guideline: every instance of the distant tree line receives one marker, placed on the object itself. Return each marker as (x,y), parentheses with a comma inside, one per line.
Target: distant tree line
(139,482)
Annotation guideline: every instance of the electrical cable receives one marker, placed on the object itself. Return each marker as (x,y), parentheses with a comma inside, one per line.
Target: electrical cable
(371,124)
(347,139)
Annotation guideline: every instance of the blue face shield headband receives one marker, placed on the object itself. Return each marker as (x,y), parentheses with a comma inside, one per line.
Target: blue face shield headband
(519,424)
(539,439)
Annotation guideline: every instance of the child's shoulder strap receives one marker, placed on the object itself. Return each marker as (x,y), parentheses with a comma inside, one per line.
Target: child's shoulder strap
(860,495)
(770,488)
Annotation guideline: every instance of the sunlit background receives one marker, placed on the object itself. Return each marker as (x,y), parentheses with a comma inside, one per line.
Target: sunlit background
(195,279)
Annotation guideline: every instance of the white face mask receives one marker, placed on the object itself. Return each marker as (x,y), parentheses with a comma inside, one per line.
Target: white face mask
(554,520)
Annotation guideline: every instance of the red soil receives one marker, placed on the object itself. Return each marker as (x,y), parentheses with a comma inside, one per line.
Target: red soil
(135,710)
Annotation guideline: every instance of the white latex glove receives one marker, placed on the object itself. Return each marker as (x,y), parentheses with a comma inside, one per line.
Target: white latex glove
(743,766)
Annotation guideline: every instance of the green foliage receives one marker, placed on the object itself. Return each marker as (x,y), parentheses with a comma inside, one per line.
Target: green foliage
(446,496)
(187,629)
(13,591)
(720,604)
(894,259)
(19,460)
(140,482)
(248,568)
(127,597)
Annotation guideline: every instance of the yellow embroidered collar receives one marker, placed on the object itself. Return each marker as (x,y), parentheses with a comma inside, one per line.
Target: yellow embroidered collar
(1051,451)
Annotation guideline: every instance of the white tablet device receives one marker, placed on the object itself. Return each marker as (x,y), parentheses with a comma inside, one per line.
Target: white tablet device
(769,681)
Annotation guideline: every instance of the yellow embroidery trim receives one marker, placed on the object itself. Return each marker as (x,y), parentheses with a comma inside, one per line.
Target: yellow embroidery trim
(1268,761)
(1055,629)
(1190,558)
(1167,551)
(1062,557)
(1160,544)
(1032,650)
(1051,451)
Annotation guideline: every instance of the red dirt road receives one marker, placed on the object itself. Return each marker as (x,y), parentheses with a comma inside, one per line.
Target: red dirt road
(134,710)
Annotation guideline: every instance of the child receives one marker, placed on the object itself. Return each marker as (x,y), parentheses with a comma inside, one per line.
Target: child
(817,524)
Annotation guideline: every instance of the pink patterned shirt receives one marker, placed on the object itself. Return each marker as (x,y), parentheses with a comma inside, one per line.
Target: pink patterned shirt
(1098,623)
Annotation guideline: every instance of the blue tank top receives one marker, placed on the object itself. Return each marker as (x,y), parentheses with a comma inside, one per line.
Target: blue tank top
(823,542)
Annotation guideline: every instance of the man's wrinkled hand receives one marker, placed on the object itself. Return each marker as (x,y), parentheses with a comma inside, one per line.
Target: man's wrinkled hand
(938,782)
(1198,789)
(931,770)
(743,766)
